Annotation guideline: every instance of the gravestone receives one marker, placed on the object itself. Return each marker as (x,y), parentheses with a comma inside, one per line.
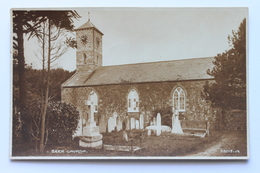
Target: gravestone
(118,124)
(136,124)
(110,124)
(132,123)
(149,133)
(125,136)
(176,127)
(127,125)
(158,119)
(154,121)
(158,124)
(91,138)
(141,121)
(115,118)
(173,119)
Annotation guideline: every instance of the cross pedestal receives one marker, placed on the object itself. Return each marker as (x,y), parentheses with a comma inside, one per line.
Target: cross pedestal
(91,138)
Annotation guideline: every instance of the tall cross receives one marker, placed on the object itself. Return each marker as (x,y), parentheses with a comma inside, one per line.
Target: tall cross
(91,105)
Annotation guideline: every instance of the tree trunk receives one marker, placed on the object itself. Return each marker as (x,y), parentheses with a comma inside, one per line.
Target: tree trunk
(21,75)
(46,96)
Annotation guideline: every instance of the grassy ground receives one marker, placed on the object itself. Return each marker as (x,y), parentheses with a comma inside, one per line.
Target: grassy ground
(233,143)
(166,144)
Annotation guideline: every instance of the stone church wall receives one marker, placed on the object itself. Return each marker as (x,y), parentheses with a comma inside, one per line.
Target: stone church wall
(152,96)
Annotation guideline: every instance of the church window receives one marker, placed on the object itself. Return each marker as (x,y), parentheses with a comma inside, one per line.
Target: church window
(179,99)
(97,60)
(85,58)
(133,101)
(94,100)
(97,41)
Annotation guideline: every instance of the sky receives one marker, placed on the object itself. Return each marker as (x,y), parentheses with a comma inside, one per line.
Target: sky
(135,35)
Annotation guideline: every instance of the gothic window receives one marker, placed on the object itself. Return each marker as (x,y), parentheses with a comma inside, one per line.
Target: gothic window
(94,100)
(96,60)
(133,101)
(85,58)
(97,41)
(179,99)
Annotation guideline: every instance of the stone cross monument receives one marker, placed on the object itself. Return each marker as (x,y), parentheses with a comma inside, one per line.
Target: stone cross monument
(91,138)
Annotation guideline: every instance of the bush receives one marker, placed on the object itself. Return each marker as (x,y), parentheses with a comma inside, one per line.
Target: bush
(62,121)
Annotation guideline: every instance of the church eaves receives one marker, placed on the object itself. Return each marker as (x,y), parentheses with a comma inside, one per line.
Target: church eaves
(88,25)
(164,71)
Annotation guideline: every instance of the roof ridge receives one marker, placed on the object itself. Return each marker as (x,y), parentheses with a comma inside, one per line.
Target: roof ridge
(158,61)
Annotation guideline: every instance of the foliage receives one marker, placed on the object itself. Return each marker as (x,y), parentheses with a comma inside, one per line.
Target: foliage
(17,127)
(229,71)
(34,84)
(71,42)
(166,115)
(61,119)
(30,22)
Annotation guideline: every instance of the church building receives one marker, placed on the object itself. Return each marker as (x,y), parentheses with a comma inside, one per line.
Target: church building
(127,96)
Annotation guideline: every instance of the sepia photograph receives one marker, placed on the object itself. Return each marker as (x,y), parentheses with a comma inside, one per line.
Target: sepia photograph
(129,83)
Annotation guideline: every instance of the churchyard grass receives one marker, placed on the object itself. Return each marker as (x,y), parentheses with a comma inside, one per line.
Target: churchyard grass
(167,144)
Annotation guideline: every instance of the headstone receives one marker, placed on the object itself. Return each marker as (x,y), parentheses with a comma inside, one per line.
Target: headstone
(158,118)
(110,124)
(149,133)
(118,124)
(141,121)
(176,128)
(158,124)
(173,119)
(132,124)
(154,121)
(127,125)
(115,116)
(125,137)
(136,124)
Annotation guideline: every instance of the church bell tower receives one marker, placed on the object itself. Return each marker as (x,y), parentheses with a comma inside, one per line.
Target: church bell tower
(89,47)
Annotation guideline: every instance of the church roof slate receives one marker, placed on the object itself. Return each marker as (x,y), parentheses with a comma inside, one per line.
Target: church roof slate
(175,70)
(88,25)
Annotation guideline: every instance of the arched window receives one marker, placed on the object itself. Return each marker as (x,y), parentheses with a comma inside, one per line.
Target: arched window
(85,58)
(179,99)
(96,60)
(92,97)
(133,101)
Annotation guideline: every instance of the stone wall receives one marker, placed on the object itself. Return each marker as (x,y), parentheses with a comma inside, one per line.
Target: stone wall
(152,96)
(235,120)
(92,49)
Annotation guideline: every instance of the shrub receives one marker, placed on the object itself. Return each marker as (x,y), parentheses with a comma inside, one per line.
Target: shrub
(62,121)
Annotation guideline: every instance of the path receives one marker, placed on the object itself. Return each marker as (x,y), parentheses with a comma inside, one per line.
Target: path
(218,149)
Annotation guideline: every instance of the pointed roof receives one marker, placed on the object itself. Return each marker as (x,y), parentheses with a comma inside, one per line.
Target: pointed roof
(164,71)
(88,25)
